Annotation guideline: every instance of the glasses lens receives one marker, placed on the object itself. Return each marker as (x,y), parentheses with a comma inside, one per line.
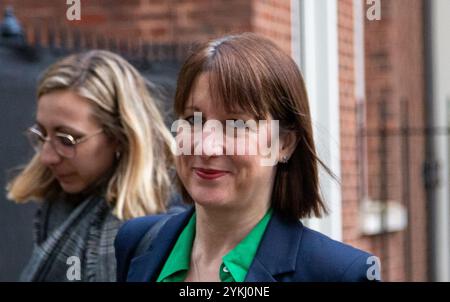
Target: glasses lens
(36,139)
(65,145)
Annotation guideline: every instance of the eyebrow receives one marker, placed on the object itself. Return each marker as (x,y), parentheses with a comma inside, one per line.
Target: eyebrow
(62,128)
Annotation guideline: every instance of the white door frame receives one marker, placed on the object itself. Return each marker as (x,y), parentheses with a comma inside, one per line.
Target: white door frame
(315,49)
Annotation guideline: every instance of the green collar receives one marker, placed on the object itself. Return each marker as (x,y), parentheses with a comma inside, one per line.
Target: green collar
(235,264)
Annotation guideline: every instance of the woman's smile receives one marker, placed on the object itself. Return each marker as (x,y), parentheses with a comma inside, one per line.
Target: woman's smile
(209,174)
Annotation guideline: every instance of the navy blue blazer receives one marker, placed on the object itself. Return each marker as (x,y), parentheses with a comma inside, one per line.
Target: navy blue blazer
(288,252)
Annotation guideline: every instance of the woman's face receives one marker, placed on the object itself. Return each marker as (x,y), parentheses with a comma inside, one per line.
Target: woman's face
(64,111)
(234,181)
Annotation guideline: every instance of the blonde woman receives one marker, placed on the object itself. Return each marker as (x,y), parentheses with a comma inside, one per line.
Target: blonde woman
(103,155)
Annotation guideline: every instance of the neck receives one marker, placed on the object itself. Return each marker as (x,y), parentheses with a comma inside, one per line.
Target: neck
(219,230)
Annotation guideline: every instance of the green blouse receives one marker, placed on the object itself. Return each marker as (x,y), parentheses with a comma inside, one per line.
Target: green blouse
(235,264)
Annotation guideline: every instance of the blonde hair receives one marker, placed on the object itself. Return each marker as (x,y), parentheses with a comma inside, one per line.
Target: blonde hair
(141,182)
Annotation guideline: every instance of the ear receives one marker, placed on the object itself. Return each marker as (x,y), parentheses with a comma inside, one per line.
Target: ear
(288,143)
(116,146)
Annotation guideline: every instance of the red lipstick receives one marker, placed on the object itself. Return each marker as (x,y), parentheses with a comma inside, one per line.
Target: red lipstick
(209,174)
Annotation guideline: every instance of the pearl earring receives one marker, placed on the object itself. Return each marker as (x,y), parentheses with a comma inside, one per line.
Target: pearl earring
(284,160)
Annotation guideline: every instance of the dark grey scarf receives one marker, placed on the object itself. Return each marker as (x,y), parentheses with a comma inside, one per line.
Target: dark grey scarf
(87,232)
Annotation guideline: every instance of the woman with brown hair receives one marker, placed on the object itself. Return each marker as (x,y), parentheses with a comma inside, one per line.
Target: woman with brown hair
(247,202)
(103,155)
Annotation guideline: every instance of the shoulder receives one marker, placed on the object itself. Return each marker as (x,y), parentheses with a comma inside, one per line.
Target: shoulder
(325,259)
(132,232)
(128,238)
(291,252)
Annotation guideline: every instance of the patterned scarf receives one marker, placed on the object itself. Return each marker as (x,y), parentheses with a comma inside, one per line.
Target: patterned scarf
(88,233)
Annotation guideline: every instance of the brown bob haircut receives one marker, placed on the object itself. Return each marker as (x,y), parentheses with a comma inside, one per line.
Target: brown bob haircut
(250,73)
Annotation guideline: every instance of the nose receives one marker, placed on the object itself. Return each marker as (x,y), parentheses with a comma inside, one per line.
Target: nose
(49,156)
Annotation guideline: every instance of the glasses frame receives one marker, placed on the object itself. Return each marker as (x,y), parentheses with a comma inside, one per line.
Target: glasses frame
(34,131)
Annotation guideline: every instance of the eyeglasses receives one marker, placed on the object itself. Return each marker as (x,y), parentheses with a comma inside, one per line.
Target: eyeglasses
(64,144)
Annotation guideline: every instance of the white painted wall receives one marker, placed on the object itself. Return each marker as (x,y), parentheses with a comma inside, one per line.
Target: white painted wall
(315,49)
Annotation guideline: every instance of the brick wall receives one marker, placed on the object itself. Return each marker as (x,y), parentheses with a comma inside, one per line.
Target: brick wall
(199,20)
(159,20)
(272,18)
(348,117)
(394,75)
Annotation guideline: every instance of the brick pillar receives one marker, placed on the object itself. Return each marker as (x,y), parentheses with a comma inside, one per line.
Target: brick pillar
(348,118)
(394,75)
(272,18)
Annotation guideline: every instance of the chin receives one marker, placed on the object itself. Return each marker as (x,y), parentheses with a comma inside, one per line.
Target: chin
(72,188)
(209,199)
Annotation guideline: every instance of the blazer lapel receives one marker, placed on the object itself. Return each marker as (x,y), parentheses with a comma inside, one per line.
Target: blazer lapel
(277,253)
(145,268)
(278,250)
